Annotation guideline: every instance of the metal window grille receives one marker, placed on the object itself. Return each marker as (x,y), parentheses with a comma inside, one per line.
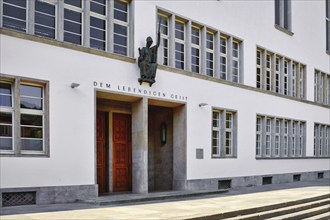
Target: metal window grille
(18,198)
(224,184)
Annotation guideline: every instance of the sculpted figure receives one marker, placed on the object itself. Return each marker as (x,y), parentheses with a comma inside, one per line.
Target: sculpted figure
(148,61)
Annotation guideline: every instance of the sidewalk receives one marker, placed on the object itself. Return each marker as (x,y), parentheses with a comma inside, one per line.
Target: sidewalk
(180,208)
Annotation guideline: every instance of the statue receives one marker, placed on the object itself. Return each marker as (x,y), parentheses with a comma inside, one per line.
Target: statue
(148,61)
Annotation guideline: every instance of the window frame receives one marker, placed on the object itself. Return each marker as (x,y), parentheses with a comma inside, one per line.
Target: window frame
(222,131)
(17,150)
(283,16)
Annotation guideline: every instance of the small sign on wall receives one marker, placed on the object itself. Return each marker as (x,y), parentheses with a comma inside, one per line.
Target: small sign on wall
(199,153)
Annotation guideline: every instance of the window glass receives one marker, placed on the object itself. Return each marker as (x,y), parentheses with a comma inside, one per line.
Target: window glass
(14,14)
(44,19)
(76,3)
(31,97)
(120,39)
(121,11)
(98,6)
(72,26)
(5,95)
(6,131)
(97,33)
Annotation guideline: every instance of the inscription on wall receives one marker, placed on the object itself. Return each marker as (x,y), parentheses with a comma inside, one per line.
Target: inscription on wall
(140,91)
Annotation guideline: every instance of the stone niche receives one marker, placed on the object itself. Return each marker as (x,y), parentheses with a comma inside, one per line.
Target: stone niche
(160,155)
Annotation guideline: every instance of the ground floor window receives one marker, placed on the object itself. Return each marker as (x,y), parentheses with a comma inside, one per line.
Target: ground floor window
(224,133)
(321,140)
(279,137)
(24,116)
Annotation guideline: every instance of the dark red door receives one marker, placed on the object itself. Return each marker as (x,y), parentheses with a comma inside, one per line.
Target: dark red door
(122,153)
(102,158)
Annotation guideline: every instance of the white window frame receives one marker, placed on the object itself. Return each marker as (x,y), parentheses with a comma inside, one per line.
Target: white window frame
(223,55)
(259,134)
(259,60)
(164,56)
(181,42)
(197,47)
(17,112)
(101,17)
(208,70)
(236,59)
(277,137)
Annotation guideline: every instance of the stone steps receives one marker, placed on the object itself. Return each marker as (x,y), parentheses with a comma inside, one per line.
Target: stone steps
(284,211)
(114,199)
(298,209)
(324,216)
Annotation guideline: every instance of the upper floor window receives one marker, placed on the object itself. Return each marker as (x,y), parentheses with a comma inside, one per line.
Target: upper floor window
(23,110)
(199,49)
(280,74)
(283,15)
(224,133)
(322,87)
(195,49)
(81,22)
(14,15)
(327,23)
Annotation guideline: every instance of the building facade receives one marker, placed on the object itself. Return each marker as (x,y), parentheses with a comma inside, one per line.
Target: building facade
(241,98)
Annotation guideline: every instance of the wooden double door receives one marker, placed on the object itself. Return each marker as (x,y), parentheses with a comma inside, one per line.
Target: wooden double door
(121,153)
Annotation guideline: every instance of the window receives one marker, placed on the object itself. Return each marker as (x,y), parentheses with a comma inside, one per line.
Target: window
(6,119)
(44,19)
(23,122)
(102,25)
(179,45)
(223,58)
(98,22)
(267,137)
(223,133)
(258,137)
(120,35)
(283,14)
(14,15)
(73,21)
(205,51)
(277,137)
(209,53)
(164,39)
(321,140)
(195,49)
(235,60)
(322,87)
(279,74)
(293,139)
(327,23)
(268,71)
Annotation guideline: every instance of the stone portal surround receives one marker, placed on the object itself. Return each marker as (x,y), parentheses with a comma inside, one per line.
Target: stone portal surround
(56,194)
(247,181)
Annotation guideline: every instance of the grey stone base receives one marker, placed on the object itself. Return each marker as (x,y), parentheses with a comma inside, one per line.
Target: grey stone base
(56,194)
(246,181)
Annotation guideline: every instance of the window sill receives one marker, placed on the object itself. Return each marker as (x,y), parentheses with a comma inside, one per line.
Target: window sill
(283,30)
(229,157)
(289,158)
(24,155)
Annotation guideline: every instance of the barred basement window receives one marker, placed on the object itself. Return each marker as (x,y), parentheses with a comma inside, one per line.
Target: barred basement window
(23,122)
(287,134)
(321,140)
(224,134)
(279,74)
